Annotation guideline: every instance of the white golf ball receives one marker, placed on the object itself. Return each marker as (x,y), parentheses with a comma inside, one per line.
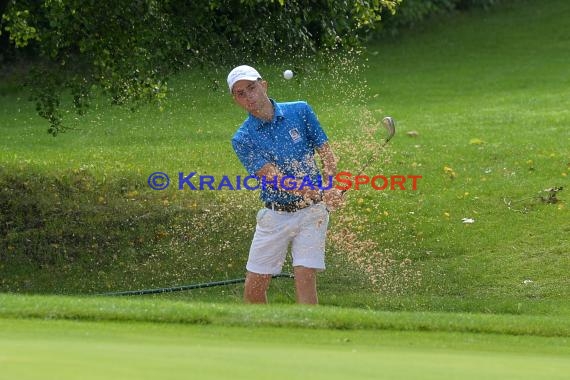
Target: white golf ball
(287,74)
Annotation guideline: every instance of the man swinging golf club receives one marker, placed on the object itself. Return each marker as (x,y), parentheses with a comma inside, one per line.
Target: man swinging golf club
(277,143)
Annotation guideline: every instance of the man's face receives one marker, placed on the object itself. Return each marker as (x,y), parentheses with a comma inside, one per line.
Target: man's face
(251,96)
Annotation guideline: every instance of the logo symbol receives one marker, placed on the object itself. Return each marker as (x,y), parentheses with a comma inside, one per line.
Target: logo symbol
(295,135)
(158,181)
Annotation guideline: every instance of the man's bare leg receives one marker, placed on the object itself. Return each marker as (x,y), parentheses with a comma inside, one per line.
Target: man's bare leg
(256,285)
(306,285)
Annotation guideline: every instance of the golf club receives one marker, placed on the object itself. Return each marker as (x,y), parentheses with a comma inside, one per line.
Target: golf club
(390,126)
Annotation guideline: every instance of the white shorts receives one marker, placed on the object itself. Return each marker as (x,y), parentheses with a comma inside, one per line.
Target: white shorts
(304,229)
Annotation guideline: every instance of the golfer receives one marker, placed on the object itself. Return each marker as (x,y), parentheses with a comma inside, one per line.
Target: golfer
(277,143)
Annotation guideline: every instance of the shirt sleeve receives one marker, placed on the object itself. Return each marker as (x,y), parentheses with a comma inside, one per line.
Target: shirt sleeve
(315,133)
(246,152)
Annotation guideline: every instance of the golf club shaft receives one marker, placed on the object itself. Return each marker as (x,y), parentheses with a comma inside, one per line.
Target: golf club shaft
(390,126)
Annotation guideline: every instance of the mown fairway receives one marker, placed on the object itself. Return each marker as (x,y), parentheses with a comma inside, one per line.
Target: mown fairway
(36,349)
(101,337)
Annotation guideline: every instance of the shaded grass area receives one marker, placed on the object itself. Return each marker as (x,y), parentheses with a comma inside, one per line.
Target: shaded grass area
(78,233)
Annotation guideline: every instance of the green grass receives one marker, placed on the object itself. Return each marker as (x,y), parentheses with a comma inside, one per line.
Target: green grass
(61,337)
(497,80)
(162,310)
(486,93)
(63,349)
(100,337)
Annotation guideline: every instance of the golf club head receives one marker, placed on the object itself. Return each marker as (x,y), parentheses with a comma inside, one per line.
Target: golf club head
(390,126)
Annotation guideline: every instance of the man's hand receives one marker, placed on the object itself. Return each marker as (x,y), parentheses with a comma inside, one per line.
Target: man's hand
(334,199)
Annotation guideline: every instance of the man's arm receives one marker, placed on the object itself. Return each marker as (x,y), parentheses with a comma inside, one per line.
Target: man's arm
(333,197)
(329,161)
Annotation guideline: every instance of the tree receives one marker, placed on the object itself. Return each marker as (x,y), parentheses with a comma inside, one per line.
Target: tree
(128,48)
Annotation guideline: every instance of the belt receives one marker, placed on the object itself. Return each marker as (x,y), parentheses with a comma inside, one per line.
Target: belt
(288,207)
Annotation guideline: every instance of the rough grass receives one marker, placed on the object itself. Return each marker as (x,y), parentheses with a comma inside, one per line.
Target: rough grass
(485,94)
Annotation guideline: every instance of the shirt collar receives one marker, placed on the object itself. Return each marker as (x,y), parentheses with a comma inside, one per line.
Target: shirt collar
(277,115)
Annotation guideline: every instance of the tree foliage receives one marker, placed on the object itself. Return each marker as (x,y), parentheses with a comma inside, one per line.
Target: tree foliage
(128,48)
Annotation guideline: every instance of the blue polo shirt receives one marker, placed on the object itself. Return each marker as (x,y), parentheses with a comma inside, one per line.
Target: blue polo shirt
(288,141)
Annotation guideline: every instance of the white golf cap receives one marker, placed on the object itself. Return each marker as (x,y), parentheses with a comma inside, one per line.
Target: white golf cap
(243,72)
